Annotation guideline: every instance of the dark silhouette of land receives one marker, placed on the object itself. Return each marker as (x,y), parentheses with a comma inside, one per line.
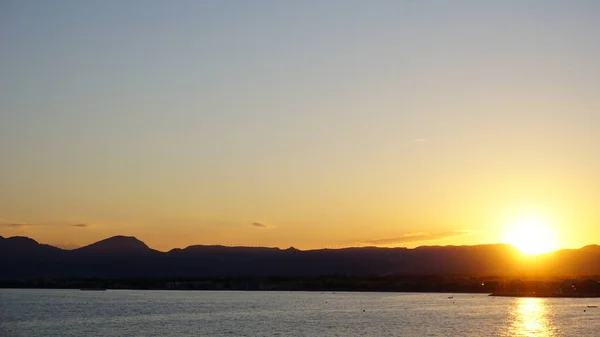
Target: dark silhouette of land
(126,262)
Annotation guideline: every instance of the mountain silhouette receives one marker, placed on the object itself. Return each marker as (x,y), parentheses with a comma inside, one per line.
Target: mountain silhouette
(123,256)
(117,245)
(25,257)
(20,245)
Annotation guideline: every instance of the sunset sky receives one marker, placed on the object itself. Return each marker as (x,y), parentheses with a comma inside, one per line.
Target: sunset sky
(299,123)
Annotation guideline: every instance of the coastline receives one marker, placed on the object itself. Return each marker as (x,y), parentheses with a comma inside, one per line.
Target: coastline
(494,294)
(544,295)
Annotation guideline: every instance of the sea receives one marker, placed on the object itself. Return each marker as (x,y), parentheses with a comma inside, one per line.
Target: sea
(33,312)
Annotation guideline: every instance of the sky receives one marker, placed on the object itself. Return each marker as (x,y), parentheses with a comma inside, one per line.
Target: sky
(299,123)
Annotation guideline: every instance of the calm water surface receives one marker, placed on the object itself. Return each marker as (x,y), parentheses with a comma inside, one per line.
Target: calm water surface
(203,313)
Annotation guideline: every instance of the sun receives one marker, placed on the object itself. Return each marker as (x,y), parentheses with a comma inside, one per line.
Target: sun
(531,234)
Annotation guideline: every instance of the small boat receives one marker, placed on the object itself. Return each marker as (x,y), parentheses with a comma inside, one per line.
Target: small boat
(592,306)
(450,297)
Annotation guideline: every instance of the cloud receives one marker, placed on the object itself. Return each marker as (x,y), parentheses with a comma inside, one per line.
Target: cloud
(17,225)
(261,225)
(419,237)
(22,225)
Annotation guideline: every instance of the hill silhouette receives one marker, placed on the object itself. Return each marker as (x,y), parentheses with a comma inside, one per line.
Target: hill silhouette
(123,256)
(117,245)
(23,245)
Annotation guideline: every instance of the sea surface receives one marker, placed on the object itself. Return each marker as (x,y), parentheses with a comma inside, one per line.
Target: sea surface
(237,313)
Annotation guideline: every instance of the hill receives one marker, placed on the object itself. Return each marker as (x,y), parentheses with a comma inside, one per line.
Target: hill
(122,256)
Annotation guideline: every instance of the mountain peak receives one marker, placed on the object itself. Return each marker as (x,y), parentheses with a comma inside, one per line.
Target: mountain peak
(22,240)
(590,248)
(23,244)
(117,244)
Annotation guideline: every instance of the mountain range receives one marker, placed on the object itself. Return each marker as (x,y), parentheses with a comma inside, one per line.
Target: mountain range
(122,256)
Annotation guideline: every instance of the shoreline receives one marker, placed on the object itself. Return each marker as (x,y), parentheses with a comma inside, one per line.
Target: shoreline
(544,295)
(494,294)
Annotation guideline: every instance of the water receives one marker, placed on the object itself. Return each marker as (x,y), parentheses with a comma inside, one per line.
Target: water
(199,313)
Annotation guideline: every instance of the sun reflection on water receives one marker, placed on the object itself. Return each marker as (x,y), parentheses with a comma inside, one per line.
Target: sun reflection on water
(530,318)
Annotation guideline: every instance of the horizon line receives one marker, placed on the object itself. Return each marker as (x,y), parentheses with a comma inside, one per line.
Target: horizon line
(292,247)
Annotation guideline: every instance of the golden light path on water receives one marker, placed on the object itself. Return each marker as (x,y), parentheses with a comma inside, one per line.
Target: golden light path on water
(530,319)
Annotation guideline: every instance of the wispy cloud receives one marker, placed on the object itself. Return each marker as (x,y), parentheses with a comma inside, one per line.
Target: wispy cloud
(17,225)
(420,237)
(22,225)
(261,225)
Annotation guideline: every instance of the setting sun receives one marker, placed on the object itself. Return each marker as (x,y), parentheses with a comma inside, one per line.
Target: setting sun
(532,235)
